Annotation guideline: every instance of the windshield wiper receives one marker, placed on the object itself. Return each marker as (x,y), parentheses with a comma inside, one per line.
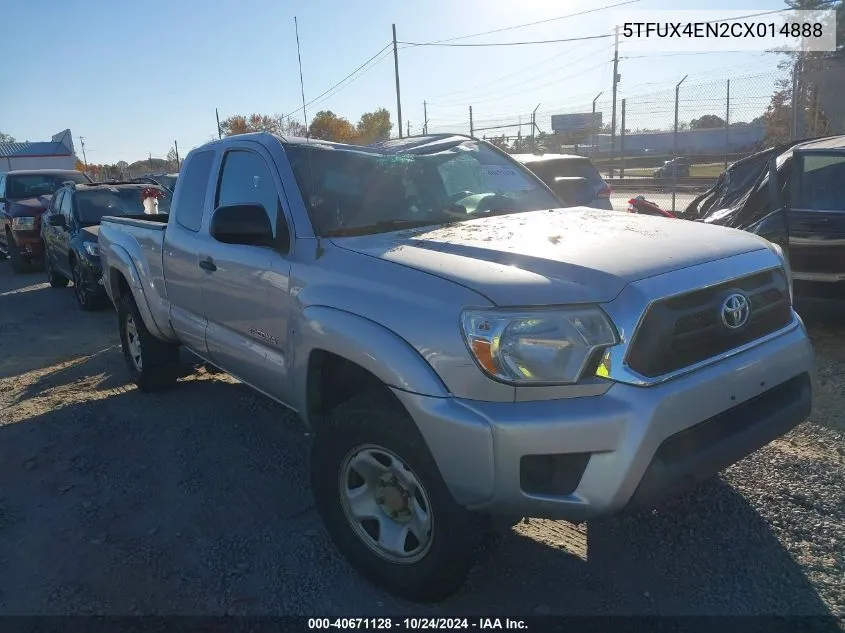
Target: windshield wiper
(381,227)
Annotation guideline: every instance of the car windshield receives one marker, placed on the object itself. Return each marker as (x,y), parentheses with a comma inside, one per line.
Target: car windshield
(349,190)
(93,205)
(33,185)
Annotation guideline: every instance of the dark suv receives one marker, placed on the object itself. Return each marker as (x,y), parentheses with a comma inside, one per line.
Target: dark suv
(675,168)
(70,227)
(552,168)
(24,195)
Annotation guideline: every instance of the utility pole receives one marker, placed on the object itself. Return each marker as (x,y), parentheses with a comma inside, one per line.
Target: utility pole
(471,128)
(82,143)
(176,147)
(219,132)
(595,127)
(613,110)
(675,141)
(425,118)
(409,129)
(396,70)
(533,127)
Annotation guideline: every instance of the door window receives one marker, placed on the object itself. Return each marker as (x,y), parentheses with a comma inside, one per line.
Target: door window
(246,179)
(66,207)
(822,182)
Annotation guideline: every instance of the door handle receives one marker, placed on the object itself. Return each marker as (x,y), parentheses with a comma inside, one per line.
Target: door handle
(207,264)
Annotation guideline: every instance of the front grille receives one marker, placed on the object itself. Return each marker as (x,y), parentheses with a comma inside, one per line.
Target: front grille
(687,329)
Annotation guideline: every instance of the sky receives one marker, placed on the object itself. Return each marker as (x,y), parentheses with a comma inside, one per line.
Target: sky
(135,78)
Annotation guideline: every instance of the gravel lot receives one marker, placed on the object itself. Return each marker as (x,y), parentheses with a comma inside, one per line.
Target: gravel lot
(196,502)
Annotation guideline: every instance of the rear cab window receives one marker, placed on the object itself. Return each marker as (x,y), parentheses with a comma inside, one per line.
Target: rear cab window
(189,199)
(566,168)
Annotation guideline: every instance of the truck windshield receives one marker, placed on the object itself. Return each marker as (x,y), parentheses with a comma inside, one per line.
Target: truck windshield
(349,190)
(92,206)
(34,185)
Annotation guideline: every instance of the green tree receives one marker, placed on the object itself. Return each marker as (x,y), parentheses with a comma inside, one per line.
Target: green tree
(374,126)
(707,121)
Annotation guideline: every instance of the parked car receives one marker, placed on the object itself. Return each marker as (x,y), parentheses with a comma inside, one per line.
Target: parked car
(795,191)
(676,168)
(558,170)
(69,233)
(457,346)
(24,195)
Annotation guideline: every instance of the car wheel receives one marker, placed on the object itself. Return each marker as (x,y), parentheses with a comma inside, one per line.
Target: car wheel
(19,264)
(153,364)
(87,302)
(385,505)
(55,279)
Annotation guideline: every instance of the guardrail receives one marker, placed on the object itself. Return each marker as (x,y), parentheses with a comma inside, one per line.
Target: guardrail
(685,184)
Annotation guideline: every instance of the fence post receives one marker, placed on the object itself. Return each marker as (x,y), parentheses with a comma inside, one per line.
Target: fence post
(796,93)
(675,142)
(622,144)
(728,123)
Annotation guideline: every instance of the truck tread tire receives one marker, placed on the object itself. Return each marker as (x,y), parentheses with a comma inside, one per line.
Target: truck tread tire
(159,366)
(55,279)
(377,419)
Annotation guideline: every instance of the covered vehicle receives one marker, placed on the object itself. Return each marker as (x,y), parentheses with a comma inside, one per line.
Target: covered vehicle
(794,195)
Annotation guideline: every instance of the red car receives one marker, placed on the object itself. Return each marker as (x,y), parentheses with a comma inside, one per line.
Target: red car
(24,195)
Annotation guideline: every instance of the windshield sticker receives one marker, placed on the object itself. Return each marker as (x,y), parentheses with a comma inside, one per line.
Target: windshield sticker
(503,178)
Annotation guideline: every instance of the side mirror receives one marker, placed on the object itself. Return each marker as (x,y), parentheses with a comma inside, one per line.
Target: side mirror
(57,219)
(246,224)
(573,191)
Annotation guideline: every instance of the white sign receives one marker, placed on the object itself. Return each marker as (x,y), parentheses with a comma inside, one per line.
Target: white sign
(504,178)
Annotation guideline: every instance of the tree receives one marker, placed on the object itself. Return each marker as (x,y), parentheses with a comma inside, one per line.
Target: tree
(707,121)
(6,138)
(374,126)
(172,158)
(327,126)
(239,124)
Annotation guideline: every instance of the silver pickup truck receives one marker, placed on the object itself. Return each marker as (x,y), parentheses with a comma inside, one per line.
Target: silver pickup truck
(458,345)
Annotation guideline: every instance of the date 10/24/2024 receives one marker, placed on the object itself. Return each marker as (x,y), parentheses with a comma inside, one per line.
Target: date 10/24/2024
(413,624)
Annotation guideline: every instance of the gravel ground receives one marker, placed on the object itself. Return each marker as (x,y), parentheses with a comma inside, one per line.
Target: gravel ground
(196,502)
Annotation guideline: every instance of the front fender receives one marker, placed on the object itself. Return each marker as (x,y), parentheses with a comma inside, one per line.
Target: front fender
(380,351)
(120,264)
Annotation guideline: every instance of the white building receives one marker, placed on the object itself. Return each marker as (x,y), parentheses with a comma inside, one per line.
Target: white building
(57,153)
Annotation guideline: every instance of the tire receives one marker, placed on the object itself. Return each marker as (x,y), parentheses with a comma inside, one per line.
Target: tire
(19,265)
(153,364)
(84,299)
(367,426)
(53,278)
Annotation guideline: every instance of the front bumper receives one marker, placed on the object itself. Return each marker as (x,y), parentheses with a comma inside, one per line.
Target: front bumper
(630,447)
(29,243)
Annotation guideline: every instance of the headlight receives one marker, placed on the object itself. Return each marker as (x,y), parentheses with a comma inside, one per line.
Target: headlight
(92,249)
(537,346)
(23,224)
(784,262)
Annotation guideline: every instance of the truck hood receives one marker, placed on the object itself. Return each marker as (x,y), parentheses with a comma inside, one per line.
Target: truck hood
(28,207)
(558,256)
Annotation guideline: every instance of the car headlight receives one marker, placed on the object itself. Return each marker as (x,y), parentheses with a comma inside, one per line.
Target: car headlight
(23,224)
(784,263)
(92,249)
(547,346)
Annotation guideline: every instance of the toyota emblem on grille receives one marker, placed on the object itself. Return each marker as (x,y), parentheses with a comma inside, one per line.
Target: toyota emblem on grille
(735,311)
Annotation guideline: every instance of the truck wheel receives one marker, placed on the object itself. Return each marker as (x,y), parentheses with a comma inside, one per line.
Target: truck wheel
(55,279)
(19,265)
(385,505)
(153,364)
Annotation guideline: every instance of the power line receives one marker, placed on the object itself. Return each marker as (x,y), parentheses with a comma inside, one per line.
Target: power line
(546,21)
(315,99)
(567,39)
